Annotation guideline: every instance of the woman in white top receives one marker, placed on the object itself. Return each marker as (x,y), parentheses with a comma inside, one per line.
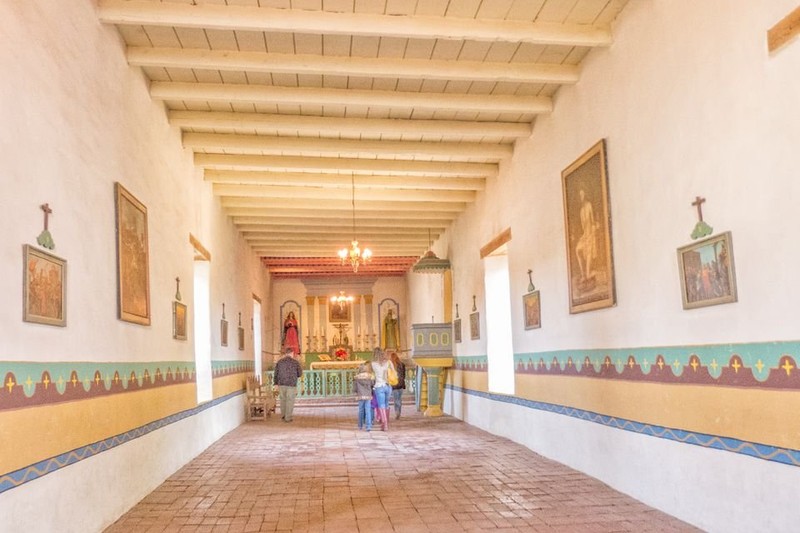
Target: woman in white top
(380,367)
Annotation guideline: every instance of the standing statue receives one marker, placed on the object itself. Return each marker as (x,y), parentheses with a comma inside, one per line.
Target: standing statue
(391,332)
(290,338)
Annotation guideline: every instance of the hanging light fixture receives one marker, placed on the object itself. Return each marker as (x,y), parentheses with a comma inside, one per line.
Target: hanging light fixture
(429,263)
(354,255)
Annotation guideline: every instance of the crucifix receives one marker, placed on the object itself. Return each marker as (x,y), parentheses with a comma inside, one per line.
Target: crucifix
(531,287)
(701,229)
(45,239)
(698,202)
(178,289)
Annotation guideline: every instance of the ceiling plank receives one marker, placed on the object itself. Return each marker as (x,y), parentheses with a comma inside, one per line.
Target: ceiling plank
(325,228)
(342,205)
(265,94)
(407,219)
(138,12)
(344,182)
(351,66)
(328,126)
(328,195)
(267,144)
(344,165)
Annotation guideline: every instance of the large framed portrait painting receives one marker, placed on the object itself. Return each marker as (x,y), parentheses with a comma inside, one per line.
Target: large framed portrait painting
(587,221)
(707,272)
(133,271)
(44,294)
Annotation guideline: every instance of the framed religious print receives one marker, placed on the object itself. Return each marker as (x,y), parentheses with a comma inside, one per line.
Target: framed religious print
(341,311)
(44,287)
(223,332)
(532,308)
(475,325)
(178,321)
(707,272)
(240,335)
(587,221)
(133,278)
(457,330)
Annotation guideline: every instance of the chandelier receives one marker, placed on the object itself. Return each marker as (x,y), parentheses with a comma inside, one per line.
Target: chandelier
(341,300)
(354,255)
(429,263)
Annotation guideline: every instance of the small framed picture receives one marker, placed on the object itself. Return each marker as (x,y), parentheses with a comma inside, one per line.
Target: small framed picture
(707,273)
(178,321)
(475,325)
(531,306)
(223,332)
(457,330)
(44,293)
(133,257)
(241,337)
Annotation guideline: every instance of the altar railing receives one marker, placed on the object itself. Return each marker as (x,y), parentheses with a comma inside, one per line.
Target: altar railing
(334,383)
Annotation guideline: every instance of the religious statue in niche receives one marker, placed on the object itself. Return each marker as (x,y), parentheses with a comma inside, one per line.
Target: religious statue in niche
(291,338)
(391,332)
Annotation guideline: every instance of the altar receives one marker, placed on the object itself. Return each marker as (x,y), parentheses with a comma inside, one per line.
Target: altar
(336,365)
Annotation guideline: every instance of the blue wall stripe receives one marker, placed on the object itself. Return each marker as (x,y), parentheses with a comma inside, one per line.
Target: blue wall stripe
(42,468)
(760,451)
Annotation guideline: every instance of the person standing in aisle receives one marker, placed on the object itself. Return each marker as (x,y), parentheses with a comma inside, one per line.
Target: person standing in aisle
(380,367)
(399,388)
(287,372)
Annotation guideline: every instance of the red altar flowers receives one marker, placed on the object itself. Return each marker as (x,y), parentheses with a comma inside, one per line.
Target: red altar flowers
(340,354)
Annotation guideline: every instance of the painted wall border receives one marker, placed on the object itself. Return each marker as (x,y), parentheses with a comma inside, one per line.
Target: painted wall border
(752,449)
(23,475)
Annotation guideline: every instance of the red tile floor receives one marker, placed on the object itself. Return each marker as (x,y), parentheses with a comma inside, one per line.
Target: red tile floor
(320,473)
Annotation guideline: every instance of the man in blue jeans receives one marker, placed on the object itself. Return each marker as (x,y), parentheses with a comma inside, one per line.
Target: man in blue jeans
(287,372)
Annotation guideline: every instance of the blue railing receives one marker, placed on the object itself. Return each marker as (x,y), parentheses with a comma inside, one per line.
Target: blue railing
(333,383)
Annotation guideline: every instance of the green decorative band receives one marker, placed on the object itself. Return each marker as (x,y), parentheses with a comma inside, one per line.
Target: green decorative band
(764,365)
(34,384)
(785,456)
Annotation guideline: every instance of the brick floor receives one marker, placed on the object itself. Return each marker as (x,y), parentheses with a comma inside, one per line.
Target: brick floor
(319,473)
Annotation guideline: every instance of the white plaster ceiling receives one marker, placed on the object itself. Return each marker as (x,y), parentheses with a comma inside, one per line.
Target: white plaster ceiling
(285,103)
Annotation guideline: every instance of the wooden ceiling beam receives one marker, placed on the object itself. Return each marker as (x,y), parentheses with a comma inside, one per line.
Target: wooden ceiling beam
(338,181)
(246,18)
(230,143)
(327,195)
(408,219)
(384,67)
(271,94)
(332,126)
(251,230)
(343,206)
(342,165)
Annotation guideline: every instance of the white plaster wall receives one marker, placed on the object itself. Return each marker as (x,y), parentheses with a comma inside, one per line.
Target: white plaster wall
(114,480)
(75,119)
(691,483)
(690,103)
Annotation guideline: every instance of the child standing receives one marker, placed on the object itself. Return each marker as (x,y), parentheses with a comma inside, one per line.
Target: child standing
(363,382)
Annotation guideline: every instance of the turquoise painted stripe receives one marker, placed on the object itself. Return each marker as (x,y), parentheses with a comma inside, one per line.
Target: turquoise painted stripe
(29,374)
(19,477)
(713,356)
(766,452)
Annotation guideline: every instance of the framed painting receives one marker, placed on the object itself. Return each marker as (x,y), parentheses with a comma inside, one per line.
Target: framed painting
(587,221)
(44,287)
(223,332)
(240,332)
(475,325)
(178,321)
(340,312)
(532,307)
(707,272)
(133,277)
(457,330)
